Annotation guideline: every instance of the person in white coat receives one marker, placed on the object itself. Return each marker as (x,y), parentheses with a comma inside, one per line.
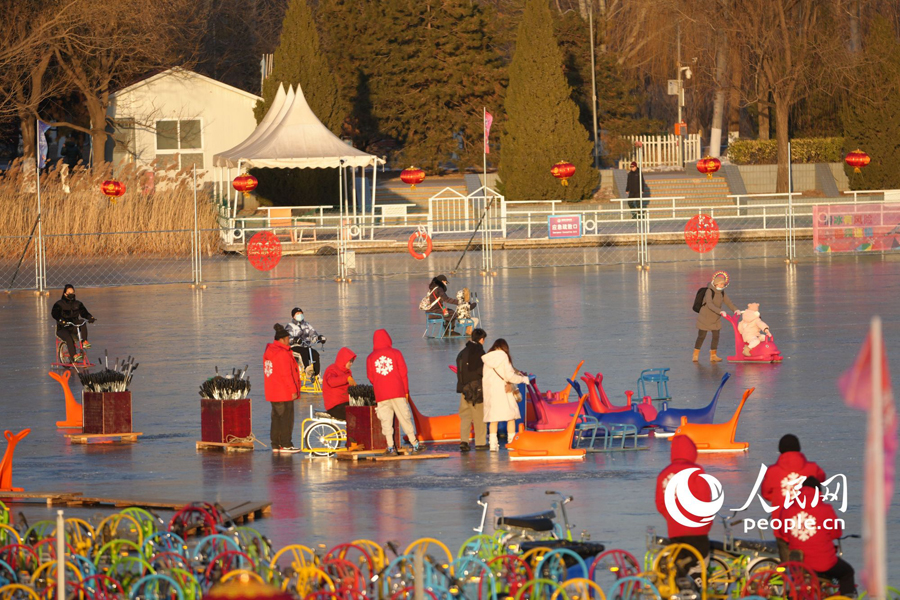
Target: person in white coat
(498,377)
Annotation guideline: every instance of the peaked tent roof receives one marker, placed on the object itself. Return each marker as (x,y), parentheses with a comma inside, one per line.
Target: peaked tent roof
(280,104)
(297,140)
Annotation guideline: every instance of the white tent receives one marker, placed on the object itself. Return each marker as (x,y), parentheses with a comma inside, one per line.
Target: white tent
(281,102)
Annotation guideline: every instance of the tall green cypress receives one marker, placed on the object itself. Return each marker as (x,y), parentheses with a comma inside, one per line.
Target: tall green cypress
(872,117)
(299,59)
(542,121)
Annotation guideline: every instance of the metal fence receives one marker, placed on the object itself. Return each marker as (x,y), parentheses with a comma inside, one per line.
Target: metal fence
(477,233)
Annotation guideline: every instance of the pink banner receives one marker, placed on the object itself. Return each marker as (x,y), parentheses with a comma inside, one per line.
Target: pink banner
(488,120)
(564,226)
(856,227)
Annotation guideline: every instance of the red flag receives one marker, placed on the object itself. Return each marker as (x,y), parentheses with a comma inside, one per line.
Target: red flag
(857,387)
(488,120)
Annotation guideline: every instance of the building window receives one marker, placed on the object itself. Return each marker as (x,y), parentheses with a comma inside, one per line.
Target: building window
(179,144)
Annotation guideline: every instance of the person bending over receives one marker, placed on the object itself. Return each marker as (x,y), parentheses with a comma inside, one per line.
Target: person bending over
(336,384)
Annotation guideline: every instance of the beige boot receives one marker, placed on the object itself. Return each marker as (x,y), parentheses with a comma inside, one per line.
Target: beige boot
(713,358)
(696,355)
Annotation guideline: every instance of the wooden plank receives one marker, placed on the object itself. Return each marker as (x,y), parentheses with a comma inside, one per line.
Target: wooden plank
(406,457)
(106,438)
(226,447)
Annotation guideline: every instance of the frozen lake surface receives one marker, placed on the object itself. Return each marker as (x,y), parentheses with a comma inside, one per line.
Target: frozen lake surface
(618,319)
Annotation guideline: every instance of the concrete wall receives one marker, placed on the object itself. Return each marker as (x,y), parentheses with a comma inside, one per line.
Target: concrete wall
(760,179)
(225,113)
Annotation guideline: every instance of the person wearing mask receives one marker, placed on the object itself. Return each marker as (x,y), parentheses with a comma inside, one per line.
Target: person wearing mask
(812,527)
(282,387)
(501,399)
(711,313)
(469,371)
(336,384)
(637,190)
(684,457)
(386,370)
(303,337)
(69,313)
(783,478)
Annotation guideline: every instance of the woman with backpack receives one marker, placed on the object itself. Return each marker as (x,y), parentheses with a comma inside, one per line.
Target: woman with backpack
(710,313)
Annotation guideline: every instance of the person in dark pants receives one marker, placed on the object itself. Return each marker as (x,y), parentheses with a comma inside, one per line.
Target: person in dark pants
(812,528)
(710,316)
(469,369)
(304,335)
(69,310)
(282,387)
(636,187)
(684,457)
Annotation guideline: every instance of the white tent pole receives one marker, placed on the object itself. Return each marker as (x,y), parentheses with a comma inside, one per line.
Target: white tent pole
(374,182)
(353,183)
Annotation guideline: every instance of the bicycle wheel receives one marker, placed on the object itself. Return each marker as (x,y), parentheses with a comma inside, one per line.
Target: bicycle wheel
(321,439)
(761,564)
(719,578)
(62,354)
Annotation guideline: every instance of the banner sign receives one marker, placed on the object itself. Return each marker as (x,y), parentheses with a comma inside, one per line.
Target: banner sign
(564,226)
(856,227)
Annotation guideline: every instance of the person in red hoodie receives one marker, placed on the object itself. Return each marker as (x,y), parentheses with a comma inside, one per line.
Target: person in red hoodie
(387,372)
(684,527)
(336,382)
(812,530)
(784,476)
(282,387)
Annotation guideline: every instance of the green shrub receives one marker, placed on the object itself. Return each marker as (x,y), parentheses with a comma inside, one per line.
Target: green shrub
(804,150)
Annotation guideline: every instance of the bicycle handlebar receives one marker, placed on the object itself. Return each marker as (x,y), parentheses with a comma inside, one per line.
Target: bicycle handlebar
(70,324)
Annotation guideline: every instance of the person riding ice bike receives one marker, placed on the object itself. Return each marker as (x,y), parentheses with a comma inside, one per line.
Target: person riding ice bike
(303,337)
(70,314)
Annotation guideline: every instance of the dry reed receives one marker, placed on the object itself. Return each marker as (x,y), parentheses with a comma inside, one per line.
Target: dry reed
(153,217)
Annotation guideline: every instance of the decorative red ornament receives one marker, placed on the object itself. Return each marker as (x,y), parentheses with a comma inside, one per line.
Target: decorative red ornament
(112,188)
(701,233)
(857,159)
(562,171)
(412,176)
(709,165)
(245,183)
(264,251)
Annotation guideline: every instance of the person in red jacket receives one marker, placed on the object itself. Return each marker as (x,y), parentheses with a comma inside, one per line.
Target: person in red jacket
(387,372)
(336,383)
(783,478)
(282,387)
(812,530)
(684,527)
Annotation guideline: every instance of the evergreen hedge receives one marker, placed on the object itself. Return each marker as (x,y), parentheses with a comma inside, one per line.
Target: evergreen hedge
(765,152)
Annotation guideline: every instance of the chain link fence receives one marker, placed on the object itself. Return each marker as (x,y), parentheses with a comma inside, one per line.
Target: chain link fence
(474,234)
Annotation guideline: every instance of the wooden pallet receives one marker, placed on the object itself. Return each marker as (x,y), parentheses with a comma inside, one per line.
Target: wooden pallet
(226,447)
(356,455)
(103,438)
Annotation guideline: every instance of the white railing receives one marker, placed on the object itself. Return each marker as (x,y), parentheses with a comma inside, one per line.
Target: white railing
(662,151)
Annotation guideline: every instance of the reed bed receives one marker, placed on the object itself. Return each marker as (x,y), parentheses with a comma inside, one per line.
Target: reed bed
(154,217)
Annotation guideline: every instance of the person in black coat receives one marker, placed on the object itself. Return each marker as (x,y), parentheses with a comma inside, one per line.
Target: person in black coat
(636,187)
(69,312)
(469,369)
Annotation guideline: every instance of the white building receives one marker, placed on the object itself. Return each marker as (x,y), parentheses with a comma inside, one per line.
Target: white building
(178,118)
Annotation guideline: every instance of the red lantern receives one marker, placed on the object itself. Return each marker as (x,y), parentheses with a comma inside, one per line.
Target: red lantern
(709,165)
(412,176)
(112,188)
(857,159)
(562,171)
(245,183)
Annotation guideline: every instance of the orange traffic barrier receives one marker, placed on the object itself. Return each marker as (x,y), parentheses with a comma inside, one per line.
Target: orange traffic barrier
(6,466)
(563,396)
(444,428)
(547,445)
(718,437)
(74,414)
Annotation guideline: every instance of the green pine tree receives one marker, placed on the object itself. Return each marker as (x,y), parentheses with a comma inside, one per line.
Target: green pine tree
(542,121)
(872,116)
(299,60)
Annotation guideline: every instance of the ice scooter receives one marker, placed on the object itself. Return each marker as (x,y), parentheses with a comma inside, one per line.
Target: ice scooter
(765,352)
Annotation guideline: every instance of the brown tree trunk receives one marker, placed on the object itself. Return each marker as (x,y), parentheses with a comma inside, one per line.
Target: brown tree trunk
(734,95)
(29,134)
(782,112)
(97,114)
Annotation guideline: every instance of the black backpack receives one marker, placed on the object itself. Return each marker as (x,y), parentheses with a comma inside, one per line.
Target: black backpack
(698,299)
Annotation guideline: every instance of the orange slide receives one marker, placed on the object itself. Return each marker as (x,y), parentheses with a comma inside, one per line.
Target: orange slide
(74,414)
(6,465)
(547,445)
(718,437)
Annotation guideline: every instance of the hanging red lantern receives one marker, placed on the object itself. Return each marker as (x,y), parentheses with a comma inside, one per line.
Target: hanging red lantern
(857,159)
(412,176)
(709,165)
(245,183)
(562,171)
(112,188)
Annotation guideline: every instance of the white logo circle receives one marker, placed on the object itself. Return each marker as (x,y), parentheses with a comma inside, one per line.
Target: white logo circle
(678,492)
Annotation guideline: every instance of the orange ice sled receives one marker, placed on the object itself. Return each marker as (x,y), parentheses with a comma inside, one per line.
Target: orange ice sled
(74,413)
(718,437)
(547,445)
